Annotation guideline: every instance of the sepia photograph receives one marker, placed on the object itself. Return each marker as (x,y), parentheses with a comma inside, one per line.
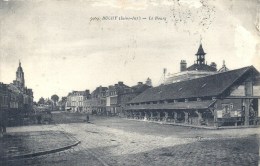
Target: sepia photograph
(129,82)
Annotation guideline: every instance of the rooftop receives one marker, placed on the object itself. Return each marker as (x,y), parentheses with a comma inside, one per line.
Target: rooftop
(212,85)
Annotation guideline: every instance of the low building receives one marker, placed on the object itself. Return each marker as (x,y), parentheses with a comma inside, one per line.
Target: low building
(4,106)
(221,99)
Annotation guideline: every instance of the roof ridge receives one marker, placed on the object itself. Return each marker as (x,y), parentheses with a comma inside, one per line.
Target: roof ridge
(246,69)
(218,84)
(208,76)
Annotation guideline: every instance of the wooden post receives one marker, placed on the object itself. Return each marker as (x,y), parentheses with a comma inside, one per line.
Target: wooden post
(132,114)
(151,112)
(158,116)
(175,117)
(146,116)
(215,118)
(258,103)
(247,106)
(166,116)
(199,116)
(186,117)
(140,115)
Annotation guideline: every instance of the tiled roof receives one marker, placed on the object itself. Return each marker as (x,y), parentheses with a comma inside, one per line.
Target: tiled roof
(99,90)
(140,88)
(213,85)
(120,88)
(201,67)
(172,106)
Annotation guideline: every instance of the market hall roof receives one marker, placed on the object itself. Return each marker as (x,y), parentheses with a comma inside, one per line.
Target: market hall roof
(203,67)
(173,106)
(212,85)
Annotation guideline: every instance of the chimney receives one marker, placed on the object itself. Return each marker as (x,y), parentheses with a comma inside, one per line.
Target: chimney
(120,83)
(213,64)
(139,83)
(87,91)
(183,65)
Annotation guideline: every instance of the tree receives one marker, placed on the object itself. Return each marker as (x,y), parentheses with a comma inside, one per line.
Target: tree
(63,99)
(63,103)
(55,98)
(48,101)
(41,101)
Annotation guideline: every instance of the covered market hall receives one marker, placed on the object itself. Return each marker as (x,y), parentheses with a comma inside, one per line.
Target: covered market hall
(229,98)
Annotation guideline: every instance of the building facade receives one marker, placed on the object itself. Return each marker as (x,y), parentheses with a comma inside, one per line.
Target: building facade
(16,99)
(113,98)
(98,100)
(135,91)
(76,101)
(21,98)
(4,106)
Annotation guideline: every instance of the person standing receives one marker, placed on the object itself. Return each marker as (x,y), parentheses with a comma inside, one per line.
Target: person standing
(87,118)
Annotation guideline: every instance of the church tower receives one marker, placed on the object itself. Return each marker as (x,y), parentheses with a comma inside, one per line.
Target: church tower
(200,55)
(20,75)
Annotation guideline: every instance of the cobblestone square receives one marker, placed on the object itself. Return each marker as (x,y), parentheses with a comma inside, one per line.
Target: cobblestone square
(116,142)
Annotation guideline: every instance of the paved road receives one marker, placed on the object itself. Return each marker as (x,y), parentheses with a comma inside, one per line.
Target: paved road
(122,142)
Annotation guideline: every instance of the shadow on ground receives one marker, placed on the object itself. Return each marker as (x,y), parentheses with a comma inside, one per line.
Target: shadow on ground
(230,151)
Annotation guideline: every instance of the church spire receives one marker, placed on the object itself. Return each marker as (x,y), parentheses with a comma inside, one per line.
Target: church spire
(20,75)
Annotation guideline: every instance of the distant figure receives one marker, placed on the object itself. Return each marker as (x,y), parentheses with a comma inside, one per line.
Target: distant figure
(87,118)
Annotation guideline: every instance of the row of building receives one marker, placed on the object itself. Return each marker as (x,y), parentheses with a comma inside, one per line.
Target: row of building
(197,95)
(16,100)
(105,100)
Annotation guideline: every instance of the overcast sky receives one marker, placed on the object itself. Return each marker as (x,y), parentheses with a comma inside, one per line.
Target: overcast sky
(62,50)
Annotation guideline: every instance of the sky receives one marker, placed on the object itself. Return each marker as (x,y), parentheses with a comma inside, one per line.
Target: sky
(67,45)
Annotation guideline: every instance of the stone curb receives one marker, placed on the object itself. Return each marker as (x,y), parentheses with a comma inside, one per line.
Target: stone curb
(200,127)
(28,155)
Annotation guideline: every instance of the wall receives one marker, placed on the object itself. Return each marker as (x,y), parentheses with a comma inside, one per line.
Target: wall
(233,111)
